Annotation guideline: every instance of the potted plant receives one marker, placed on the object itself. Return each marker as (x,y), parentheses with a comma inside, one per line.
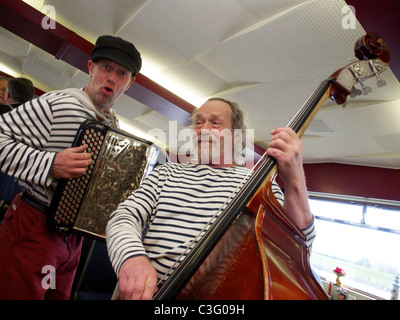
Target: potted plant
(339,273)
(341,294)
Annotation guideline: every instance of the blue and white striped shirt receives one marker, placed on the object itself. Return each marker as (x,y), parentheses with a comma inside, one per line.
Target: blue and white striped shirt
(32,134)
(173,205)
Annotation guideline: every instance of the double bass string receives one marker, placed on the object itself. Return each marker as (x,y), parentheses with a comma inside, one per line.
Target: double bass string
(194,254)
(303,114)
(217,215)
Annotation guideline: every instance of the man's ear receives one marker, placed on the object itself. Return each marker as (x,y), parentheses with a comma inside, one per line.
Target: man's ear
(90,67)
(131,81)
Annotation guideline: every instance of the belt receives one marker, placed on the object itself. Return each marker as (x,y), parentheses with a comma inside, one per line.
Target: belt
(34,202)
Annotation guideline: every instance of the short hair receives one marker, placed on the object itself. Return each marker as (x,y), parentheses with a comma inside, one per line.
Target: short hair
(21,89)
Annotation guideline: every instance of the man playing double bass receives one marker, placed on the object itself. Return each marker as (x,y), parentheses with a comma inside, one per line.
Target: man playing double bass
(151,229)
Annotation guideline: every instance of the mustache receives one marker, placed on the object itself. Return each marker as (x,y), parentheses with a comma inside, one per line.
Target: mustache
(198,140)
(206,136)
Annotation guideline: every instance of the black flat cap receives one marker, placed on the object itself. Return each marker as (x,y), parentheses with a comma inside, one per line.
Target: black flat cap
(119,51)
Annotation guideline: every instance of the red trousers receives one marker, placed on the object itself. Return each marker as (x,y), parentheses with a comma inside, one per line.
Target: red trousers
(35,262)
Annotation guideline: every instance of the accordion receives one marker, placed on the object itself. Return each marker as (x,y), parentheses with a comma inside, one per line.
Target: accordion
(120,163)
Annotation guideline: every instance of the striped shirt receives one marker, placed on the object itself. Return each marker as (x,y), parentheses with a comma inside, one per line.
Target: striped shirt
(172,206)
(32,134)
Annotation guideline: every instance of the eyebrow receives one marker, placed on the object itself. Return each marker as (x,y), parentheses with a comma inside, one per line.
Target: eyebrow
(212,115)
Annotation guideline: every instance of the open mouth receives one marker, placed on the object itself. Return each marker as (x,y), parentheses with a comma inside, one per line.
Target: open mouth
(108,90)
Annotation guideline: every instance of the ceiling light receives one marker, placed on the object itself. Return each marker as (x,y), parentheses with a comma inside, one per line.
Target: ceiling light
(182,90)
(37,4)
(9,71)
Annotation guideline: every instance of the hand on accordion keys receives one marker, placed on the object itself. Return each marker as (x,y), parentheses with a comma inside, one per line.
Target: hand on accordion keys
(71,163)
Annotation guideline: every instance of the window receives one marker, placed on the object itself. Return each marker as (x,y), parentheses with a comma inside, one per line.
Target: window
(361,237)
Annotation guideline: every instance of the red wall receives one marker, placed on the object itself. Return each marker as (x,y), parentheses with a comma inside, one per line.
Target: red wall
(352,180)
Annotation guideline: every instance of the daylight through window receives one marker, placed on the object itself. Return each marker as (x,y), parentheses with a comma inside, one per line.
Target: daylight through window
(360,236)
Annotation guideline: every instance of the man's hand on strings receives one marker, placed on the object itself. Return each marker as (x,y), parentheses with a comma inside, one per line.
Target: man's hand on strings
(137,279)
(286,147)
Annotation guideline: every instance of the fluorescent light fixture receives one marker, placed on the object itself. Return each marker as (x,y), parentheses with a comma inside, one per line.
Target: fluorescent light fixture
(37,4)
(9,71)
(182,90)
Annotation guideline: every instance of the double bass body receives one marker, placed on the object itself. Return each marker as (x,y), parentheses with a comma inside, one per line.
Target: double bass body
(252,262)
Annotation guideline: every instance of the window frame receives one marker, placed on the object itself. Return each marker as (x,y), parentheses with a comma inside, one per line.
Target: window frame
(365,203)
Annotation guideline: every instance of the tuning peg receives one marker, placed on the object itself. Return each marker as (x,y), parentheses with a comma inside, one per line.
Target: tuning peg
(381,83)
(375,67)
(366,90)
(356,72)
(356,92)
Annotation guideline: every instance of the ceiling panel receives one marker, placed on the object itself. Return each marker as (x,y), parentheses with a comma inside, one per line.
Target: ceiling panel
(93,17)
(267,55)
(376,119)
(314,39)
(190,27)
(236,64)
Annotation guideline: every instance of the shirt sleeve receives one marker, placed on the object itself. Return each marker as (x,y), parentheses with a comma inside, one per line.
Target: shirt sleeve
(23,133)
(310,234)
(127,223)
(310,231)
(277,192)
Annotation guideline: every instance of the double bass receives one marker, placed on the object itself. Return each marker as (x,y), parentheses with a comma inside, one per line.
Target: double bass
(253,251)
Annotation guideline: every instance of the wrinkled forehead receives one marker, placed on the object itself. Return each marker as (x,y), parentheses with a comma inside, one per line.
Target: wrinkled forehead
(214,109)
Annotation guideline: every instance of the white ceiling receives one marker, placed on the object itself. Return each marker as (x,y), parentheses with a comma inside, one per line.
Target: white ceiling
(267,55)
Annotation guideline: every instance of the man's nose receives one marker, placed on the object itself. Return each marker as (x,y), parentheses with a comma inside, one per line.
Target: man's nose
(207,125)
(112,76)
